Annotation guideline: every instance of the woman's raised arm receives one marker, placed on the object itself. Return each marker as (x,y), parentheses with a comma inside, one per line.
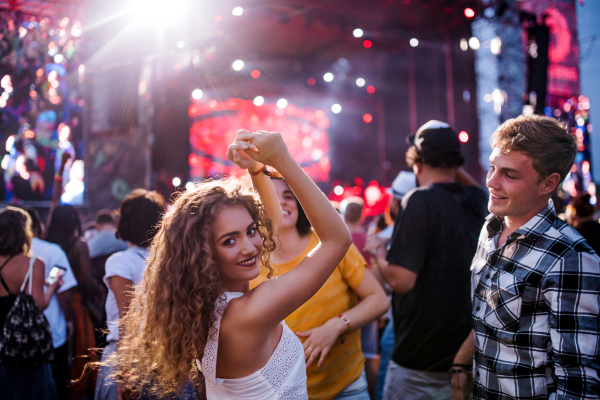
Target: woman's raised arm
(261,182)
(275,299)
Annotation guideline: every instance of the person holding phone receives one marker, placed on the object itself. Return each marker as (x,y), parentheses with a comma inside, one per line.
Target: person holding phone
(60,314)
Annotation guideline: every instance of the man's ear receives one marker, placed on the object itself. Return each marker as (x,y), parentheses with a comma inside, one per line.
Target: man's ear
(417,168)
(550,183)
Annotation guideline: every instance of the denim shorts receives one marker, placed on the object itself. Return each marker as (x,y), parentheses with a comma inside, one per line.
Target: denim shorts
(357,390)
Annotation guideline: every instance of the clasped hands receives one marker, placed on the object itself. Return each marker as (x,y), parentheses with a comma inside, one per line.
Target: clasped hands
(252,150)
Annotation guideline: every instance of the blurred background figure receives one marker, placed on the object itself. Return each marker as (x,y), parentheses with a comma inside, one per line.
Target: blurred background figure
(580,215)
(379,238)
(351,209)
(64,229)
(140,213)
(60,312)
(24,382)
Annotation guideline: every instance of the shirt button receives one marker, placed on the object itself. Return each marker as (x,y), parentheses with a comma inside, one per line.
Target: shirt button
(477,308)
(487,276)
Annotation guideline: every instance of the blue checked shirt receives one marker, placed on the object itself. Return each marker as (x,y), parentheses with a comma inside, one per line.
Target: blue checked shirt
(536,303)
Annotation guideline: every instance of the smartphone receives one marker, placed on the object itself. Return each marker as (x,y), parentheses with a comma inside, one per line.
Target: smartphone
(56,272)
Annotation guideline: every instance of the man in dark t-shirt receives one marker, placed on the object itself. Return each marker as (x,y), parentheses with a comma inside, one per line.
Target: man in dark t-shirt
(435,238)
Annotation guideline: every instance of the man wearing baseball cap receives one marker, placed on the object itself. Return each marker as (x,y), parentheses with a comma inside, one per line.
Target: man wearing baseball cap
(434,241)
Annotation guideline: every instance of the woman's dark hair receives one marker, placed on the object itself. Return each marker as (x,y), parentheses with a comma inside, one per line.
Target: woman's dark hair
(303,224)
(140,214)
(36,224)
(64,227)
(583,207)
(413,156)
(15,232)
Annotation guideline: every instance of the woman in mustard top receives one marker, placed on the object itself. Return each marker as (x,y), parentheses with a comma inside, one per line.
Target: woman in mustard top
(328,323)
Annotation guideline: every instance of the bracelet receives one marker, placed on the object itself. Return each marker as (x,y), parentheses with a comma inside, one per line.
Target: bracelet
(460,371)
(58,178)
(346,321)
(263,170)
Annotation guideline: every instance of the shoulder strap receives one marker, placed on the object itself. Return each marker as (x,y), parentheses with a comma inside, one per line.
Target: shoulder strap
(29,274)
(1,278)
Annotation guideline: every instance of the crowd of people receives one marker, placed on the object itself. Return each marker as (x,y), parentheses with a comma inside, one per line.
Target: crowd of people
(259,288)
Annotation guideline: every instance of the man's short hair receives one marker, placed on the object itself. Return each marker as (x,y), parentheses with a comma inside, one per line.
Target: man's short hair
(104,217)
(352,208)
(545,140)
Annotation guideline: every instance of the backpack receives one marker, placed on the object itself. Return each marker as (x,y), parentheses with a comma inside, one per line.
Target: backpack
(26,338)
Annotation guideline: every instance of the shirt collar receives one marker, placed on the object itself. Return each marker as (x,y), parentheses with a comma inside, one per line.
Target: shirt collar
(532,229)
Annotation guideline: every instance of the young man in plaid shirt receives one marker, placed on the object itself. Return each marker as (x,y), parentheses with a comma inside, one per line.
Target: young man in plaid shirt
(535,280)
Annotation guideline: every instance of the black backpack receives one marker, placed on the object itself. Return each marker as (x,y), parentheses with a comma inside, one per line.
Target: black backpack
(26,337)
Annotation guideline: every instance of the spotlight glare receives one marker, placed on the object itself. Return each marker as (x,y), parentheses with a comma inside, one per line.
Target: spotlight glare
(414,42)
(328,77)
(59,58)
(463,136)
(464,44)
(338,190)
(282,103)
(189,186)
(180,44)
(367,44)
(474,43)
(255,74)
(176,182)
(367,118)
(336,108)
(259,101)
(238,65)
(469,13)
(197,94)
(371,89)
(237,11)
(360,82)
(311,81)
(358,32)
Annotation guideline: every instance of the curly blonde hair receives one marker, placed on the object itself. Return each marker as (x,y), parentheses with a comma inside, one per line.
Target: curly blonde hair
(172,309)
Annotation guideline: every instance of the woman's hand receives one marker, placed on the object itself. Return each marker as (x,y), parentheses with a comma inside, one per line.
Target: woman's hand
(321,339)
(372,243)
(270,147)
(236,152)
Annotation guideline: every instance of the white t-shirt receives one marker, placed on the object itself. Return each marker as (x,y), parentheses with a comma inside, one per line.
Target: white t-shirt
(51,254)
(128,264)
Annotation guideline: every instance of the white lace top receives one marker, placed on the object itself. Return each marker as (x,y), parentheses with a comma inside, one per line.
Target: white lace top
(283,378)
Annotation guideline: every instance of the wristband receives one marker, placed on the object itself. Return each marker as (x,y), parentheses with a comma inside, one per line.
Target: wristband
(263,170)
(58,178)
(346,321)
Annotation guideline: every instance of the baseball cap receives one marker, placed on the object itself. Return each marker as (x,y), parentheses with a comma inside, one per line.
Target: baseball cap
(404,183)
(436,139)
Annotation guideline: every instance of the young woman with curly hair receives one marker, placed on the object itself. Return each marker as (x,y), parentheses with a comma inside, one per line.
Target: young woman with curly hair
(194,308)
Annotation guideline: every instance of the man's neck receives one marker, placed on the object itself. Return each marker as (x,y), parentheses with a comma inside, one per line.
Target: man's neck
(354,227)
(289,245)
(434,175)
(514,222)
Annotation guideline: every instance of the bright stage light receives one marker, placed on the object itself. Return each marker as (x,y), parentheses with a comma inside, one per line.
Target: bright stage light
(197,94)
(360,82)
(367,44)
(59,58)
(414,42)
(464,44)
(474,43)
(282,103)
(469,13)
(255,74)
(463,136)
(371,89)
(176,182)
(259,101)
(338,190)
(238,65)
(357,32)
(180,44)
(328,77)
(189,186)
(367,118)
(151,12)
(237,11)
(336,108)
(495,45)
